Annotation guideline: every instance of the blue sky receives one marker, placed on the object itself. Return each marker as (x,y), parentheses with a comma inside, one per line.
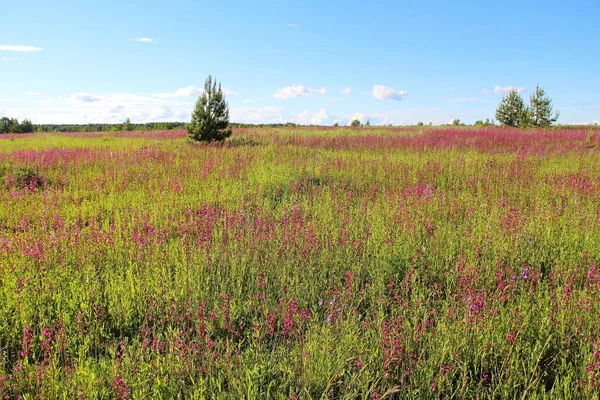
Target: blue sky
(316,62)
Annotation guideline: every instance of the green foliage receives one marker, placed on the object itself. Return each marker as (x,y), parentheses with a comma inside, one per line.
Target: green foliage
(419,123)
(513,112)
(25,177)
(487,122)
(210,119)
(242,141)
(127,125)
(148,126)
(9,125)
(368,123)
(541,109)
(355,123)
(26,126)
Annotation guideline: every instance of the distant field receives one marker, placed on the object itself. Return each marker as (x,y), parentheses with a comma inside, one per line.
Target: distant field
(301,263)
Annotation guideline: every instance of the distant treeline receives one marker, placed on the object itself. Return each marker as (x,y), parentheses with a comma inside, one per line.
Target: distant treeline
(12,125)
(126,126)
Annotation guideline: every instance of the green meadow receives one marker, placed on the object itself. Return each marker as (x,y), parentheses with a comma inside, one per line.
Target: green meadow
(301,263)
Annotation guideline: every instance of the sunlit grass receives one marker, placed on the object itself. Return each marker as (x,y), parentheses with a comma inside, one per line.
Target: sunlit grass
(300,263)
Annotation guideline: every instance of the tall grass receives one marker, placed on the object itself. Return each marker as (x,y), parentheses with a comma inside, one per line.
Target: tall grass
(301,263)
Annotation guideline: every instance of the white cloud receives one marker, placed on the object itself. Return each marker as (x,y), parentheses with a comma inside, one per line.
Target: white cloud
(143,40)
(319,118)
(502,90)
(507,89)
(190,91)
(290,92)
(246,100)
(308,118)
(462,99)
(386,121)
(4,58)
(346,91)
(25,49)
(30,93)
(86,108)
(359,116)
(294,25)
(273,114)
(84,98)
(256,115)
(386,93)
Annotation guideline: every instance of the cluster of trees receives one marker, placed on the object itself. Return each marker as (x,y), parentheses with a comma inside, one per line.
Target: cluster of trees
(512,111)
(12,125)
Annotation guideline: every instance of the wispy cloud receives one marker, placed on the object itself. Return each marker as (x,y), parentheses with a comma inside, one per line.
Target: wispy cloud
(25,49)
(294,25)
(502,90)
(84,98)
(346,91)
(290,92)
(592,122)
(4,58)
(30,93)
(190,91)
(143,40)
(246,100)
(387,93)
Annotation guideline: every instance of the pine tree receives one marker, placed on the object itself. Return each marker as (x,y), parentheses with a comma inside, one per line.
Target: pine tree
(210,119)
(512,111)
(541,108)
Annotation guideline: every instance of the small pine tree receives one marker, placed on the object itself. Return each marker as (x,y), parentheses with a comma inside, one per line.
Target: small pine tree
(210,118)
(541,108)
(512,111)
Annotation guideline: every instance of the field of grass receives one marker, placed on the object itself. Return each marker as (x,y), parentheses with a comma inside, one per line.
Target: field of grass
(301,263)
